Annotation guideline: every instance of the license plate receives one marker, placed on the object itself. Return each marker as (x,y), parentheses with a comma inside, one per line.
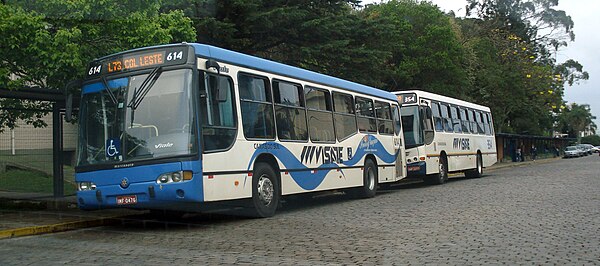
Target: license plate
(126,200)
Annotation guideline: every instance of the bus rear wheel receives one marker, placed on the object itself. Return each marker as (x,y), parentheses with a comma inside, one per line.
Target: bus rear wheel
(265,191)
(478,171)
(442,176)
(370,180)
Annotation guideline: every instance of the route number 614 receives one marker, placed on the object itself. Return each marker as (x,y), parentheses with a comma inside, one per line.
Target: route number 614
(174,56)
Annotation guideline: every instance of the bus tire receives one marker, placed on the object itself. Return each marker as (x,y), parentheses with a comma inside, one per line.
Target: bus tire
(370,180)
(265,190)
(478,171)
(442,176)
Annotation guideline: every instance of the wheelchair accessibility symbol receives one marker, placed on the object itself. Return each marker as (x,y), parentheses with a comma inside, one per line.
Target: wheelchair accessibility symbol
(112,147)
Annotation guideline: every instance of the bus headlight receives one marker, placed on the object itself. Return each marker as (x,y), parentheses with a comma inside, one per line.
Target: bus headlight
(164,178)
(85,186)
(174,177)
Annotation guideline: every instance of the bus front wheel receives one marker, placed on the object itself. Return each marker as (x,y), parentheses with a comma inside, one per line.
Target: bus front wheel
(265,190)
(442,176)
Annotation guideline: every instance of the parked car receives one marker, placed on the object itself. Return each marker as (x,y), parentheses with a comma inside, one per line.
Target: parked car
(596,149)
(585,150)
(572,151)
(590,148)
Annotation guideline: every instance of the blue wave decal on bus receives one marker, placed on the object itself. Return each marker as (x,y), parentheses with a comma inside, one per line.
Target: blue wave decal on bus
(309,180)
(370,145)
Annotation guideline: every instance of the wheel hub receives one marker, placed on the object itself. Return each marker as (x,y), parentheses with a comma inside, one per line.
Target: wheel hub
(265,190)
(371,179)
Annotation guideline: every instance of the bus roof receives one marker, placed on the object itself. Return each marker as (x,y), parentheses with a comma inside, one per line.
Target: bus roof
(450,100)
(257,63)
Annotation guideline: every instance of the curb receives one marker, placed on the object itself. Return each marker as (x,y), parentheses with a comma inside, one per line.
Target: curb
(513,165)
(62,227)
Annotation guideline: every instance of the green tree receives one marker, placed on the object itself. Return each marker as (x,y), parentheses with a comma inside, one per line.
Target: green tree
(516,74)
(576,118)
(425,47)
(329,37)
(593,139)
(533,20)
(49,43)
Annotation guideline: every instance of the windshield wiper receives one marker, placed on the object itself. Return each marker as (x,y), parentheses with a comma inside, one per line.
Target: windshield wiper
(110,93)
(140,93)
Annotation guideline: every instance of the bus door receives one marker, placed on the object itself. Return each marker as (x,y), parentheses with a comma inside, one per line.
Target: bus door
(426,120)
(398,144)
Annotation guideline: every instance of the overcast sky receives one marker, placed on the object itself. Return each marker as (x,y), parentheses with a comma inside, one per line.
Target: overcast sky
(585,48)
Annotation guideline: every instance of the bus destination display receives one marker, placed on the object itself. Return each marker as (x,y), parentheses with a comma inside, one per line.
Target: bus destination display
(407,98)
(148,59)
(133,62)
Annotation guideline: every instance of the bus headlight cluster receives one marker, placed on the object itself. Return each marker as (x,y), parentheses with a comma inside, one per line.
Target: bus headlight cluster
(84,186)
(174,177)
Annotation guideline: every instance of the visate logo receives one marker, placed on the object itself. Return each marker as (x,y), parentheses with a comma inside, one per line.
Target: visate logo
(163,145)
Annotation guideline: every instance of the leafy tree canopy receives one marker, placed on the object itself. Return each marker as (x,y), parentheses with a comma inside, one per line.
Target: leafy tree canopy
(49,43)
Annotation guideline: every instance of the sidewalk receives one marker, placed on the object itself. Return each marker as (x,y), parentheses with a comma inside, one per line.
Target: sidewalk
(502,165)
(23,214)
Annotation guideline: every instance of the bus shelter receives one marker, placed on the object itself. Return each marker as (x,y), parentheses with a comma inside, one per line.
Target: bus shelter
(39,150)
(510,145)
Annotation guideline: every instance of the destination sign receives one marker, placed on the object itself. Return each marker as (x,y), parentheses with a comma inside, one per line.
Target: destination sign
(407,98)
(133,62)
(140,60)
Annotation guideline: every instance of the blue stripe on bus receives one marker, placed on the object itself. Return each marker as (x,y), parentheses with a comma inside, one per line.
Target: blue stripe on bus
(309,180)
(98,86)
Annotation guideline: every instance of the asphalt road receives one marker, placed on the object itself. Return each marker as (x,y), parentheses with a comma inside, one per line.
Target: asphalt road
(536,214)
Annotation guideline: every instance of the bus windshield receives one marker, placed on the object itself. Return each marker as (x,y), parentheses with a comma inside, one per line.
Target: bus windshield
(162,125)
(413,133)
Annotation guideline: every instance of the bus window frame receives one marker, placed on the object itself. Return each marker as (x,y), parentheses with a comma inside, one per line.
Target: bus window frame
(302,106)
(235,113)
(353,114)
(270,91)
(376,102)
(328,103)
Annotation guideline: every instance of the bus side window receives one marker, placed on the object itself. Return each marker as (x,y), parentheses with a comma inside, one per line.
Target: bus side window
(486,123)
(455,119)
(473,123)
(384,118)
(490,123)
(257,107)
(365,112)
(437,117)
(344,117)
(320,115)
(290,115)
(446,118)
(479,122)
(396,118)
(464,120)
(218,114)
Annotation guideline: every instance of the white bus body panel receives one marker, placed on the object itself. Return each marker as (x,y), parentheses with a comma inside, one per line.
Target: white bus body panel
(228,173)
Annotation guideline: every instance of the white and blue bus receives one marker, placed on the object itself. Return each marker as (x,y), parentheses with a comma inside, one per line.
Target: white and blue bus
(177,126)
(444,135)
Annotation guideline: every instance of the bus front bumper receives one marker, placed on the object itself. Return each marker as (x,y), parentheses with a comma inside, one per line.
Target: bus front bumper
(143,195)
(418,169)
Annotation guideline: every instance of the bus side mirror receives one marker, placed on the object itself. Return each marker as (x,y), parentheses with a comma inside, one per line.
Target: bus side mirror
(69,107)
(428,112)
(429,134)
(69,99)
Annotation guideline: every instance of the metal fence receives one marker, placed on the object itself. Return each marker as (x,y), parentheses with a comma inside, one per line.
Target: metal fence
(26,157)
